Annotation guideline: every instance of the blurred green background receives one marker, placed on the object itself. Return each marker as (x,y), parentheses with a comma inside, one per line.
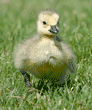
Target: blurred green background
(18,22)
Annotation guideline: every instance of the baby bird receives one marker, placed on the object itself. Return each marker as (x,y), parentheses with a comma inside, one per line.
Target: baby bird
(45,55)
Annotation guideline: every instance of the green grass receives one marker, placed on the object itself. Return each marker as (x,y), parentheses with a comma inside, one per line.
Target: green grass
(18,22)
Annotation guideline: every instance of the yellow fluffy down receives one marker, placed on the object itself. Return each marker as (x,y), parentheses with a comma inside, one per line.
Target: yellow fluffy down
(41,56)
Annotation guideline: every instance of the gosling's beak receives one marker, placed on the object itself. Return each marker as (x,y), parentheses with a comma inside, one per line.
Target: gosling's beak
(54,29)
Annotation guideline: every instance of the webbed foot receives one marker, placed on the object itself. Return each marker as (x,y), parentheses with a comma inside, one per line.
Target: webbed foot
(26,78)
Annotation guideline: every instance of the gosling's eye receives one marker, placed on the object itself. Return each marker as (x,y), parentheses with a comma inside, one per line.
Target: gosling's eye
(44,22)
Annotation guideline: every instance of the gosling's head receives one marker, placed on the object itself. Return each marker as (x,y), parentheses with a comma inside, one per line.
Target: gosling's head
(48,23)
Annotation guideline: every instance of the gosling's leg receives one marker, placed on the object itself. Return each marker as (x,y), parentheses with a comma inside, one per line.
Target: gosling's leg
(26,78)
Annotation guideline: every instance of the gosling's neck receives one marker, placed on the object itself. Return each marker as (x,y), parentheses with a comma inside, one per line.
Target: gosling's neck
(46,36)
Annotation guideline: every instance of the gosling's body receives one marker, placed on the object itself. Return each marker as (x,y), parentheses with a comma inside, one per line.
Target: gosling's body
(45,55)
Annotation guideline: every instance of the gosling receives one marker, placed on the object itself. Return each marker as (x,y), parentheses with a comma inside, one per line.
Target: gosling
(45,55)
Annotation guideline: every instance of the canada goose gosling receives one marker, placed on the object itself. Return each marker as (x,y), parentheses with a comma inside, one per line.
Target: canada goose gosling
(45,55)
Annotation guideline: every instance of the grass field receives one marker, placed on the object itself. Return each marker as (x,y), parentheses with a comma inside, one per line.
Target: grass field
(18,22)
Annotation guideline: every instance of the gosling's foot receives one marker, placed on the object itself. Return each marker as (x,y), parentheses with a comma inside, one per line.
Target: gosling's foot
(26,78)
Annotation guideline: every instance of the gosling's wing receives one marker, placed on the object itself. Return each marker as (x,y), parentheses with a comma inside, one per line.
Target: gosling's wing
(21,52)
(70,58)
